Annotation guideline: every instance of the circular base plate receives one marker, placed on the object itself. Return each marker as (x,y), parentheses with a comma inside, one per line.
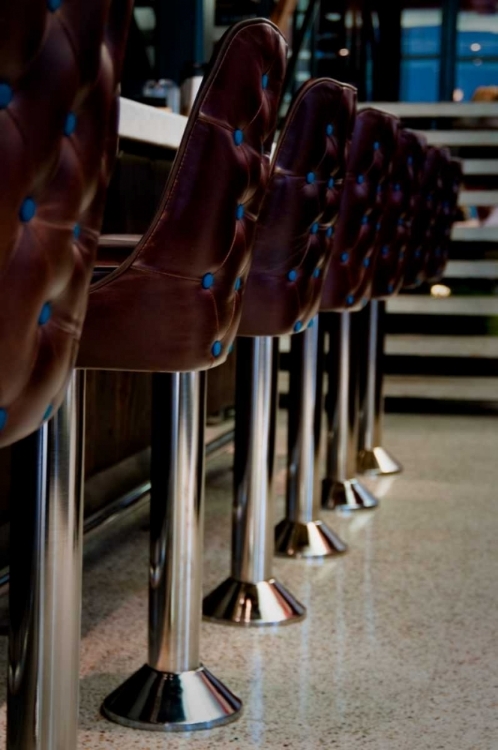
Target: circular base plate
(313,539)
(378,462)
(349,495)
(252,604)
(167,702)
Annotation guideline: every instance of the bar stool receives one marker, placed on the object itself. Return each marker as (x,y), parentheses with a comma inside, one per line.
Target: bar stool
(291,254)
(59,75)
(451,180)
(346,288)
(173,308)
(387,280)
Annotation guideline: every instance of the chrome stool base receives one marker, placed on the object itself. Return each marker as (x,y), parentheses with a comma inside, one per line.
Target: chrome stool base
(167,702)
(378,462)
(313,540)
(348,495)
(252,604)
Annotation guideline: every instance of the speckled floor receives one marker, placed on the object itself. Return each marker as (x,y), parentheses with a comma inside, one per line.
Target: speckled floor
(399,650)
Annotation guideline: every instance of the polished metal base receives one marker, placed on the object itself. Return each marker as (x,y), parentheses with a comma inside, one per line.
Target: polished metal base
(251,604)
(166,702)
(313,539)
(377,462)
(348,495)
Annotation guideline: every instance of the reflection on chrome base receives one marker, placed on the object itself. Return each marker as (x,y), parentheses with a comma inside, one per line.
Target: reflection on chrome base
(166,702)
(313,539)
(377,462)
(348,495)
(251,604)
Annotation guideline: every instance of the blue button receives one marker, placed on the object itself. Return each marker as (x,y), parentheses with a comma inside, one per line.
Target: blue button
(331,183)
(264,80)
(54,5)
(238,137)
(418,253)
(317,273)
(401,254)
(46,314)
(5,95)
(292,275)
(314,228)
(366,262)
(344,257)
(376,146)
(329,232)
(76,231)
(48,412)
(385,251)
(3,418)
(379,189)
(28,209)
(401,223)
(70,124)
(364,220)
(390,289)
(238,284)
(310,178)
(360,179)
(410,161)
(397,187)
(207,281)
(240,211)
(216,349)
(297,326)
(311,323)
(378,226)
(349,299)
(330,130)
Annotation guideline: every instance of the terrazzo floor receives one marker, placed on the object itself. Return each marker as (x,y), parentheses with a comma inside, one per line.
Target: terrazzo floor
(399,649)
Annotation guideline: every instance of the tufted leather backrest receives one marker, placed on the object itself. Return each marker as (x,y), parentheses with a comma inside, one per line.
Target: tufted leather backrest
(395,225)
(291,248)
(60,65)
(425,215)
(437,258)
(174,305)
(368,166)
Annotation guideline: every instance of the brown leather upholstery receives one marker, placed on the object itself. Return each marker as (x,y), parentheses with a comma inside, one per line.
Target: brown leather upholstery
(395,224)
(437,259)
(174,305)
(59,71)
(291,249)
(368,166)
(425,217)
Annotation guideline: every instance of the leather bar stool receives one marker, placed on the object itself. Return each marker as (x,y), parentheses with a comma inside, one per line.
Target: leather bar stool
(388,276)
(291,254)
(346,289)
(173,308)
(60,66)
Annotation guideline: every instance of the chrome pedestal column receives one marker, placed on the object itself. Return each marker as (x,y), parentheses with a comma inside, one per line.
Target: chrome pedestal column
(372,457)
(340,488)
(173,691)
(45,581)
(302,533)
(251,596)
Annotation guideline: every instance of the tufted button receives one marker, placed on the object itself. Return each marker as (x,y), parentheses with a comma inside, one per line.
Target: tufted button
(298,326)
(344,257)
(364,220)
(331,183)
(311,323)
(401,223)
(349,300)
(314,228)
(292,275)
(27,210)
(238,137)
(238,284)
(3,418)
(390,288)
(329,129)
(366,262)
(70,124)
(216,349)
(360,179)
(418,253)
(317,273)
(239,213)
(207,281)
(45,314)
(385,251)
(410,161)
(5,95)
(378,226)
(329,232)
(401,254)
(397,187)
(264,81)
(376,146)
(310,178)
(379,189)
(76,231)
(48,413)
(54,5)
